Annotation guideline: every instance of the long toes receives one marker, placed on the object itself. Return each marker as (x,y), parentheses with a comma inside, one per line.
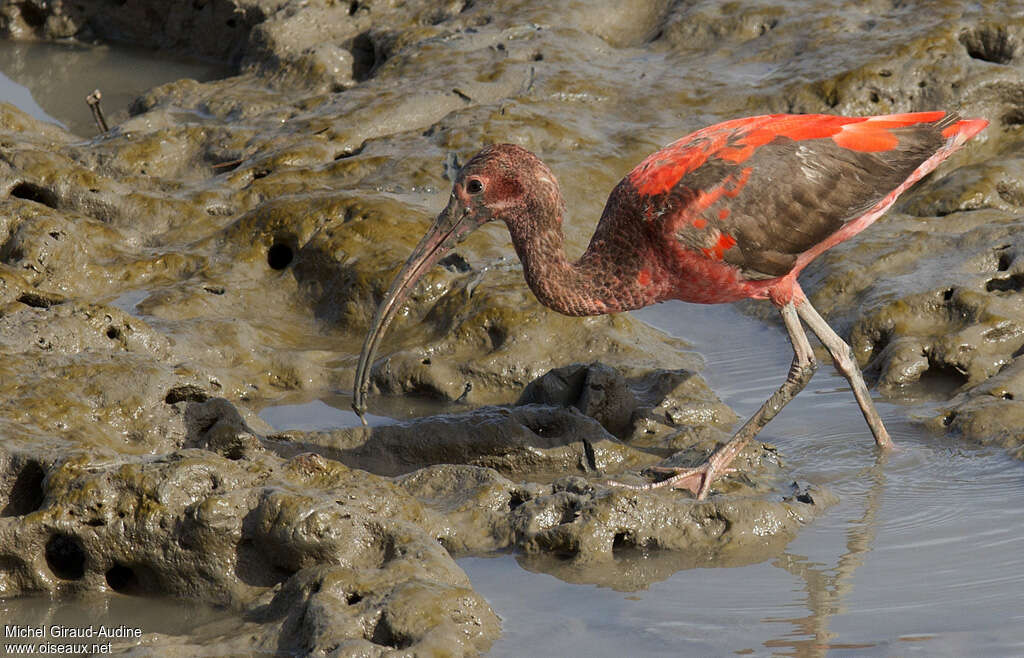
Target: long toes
(667,469)
(678,482)
(692,481)
(624,485)
(695,480)
(679,470)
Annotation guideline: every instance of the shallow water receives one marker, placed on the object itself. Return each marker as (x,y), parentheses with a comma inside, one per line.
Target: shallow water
(51,80)
(920,557)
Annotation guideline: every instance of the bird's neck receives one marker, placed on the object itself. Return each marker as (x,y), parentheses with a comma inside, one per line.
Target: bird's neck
(585,287)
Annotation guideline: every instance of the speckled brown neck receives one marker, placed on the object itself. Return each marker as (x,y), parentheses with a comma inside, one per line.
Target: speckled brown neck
(595,284)
(617,271)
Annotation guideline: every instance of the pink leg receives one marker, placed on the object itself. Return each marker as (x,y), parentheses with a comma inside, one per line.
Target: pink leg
(699,479)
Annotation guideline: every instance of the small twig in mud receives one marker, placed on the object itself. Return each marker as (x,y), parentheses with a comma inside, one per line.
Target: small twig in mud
(93,101)
(465,392)
(463,95)
(528,86)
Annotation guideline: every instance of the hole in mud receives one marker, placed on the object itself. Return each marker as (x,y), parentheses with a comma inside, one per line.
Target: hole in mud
(1013,283)
(989,44)
(31,192)
(36,300)
(234,452)
(948,294)
(389,552)
(353,7)
(948,419)
(1014,117)
(1005,260)
(113,333)
(353,598)
(425,362)
(944,380)
(186,393)
(515,499)
(455,263)
(384,635)
(254,568)
(365,58)
(1007,396)
(26,494)
(65,557)
(622,540)
(545,429)
(122,579)
(33,15)
(279,256)
(498,335)
(95,523)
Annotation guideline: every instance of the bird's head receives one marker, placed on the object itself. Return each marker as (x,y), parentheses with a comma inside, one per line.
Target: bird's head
(508,183)
(504,182)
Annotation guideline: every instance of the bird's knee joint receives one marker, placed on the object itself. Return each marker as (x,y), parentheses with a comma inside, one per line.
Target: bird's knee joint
(802,371)
(845,360)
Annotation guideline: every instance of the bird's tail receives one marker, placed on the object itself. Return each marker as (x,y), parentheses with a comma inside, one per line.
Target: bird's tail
(960,130)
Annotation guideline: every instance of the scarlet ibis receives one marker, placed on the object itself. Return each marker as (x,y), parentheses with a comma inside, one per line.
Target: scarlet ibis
(733,211)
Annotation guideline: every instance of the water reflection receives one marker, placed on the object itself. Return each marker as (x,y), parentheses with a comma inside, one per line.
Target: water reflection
(827,589)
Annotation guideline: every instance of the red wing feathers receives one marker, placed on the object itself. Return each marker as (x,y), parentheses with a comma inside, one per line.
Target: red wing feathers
(759,191)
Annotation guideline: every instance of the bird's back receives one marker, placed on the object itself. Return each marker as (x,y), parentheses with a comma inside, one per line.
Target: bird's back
(755,199)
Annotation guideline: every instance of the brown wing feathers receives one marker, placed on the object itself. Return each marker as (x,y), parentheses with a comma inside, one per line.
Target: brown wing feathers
(795,193)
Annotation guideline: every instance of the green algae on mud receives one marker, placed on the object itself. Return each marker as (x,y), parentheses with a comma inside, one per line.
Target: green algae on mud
(257,219)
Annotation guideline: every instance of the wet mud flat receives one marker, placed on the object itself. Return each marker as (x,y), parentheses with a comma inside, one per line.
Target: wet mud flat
(222,249)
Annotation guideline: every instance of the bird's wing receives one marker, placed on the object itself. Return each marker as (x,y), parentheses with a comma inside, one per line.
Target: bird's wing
(758,192)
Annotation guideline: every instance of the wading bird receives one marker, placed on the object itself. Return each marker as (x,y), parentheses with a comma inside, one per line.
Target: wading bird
(733,211)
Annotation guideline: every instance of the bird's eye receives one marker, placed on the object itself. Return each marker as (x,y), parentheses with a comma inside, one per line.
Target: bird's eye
(474,186)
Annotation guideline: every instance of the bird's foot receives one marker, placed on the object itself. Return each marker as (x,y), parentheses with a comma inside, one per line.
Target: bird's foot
(697,480)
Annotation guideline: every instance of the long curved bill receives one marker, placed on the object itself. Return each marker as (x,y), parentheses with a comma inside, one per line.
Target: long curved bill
(450,227)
